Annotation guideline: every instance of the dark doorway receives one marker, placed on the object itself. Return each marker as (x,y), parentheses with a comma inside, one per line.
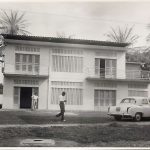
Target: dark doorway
(102,68)
(25,97)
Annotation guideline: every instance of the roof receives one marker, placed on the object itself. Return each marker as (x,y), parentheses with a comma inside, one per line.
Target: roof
(64,40)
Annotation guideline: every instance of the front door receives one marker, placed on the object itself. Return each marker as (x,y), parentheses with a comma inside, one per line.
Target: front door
(25,97)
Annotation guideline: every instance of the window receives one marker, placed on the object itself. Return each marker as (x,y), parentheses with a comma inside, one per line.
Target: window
(27,63)
(67,60)
(74,92)
(67,64)
(138,93)
(104,98)
(129,100)
(105,68)
(144,101)
(74,96)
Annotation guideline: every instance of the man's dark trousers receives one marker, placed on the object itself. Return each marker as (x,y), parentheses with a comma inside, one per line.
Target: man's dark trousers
(62,110)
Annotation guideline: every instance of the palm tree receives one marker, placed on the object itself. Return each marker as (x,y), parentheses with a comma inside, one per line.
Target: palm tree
(13,23)
(122,35)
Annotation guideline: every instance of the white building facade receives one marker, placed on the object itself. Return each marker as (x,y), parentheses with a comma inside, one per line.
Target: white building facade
(92,73)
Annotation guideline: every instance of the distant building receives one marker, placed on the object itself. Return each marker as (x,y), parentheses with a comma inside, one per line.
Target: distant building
(93,74)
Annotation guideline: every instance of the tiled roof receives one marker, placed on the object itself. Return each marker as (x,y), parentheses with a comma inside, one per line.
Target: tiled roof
(64,40)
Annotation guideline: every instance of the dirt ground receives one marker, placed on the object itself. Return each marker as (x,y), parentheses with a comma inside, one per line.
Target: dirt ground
(95,129)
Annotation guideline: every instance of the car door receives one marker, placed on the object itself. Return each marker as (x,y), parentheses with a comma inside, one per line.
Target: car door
(145,108)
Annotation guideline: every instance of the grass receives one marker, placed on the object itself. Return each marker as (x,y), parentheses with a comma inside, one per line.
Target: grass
(112,134)
(43,117)
(83,135)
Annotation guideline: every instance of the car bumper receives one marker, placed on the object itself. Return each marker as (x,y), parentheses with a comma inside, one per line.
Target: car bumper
(123,115)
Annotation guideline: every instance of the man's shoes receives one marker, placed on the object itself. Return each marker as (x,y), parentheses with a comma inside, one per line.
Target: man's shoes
(63,120)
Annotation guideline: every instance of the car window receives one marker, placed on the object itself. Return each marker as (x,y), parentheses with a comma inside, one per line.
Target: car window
(144,101)
(129,100)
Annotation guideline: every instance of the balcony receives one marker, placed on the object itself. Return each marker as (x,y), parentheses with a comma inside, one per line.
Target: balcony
(138,74)
(113,73)
(10,70)
(101,73)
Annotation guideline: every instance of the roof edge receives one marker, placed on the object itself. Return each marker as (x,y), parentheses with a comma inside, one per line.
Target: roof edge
(64,40)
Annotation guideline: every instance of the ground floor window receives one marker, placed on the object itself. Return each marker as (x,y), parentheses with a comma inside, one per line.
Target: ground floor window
(74,96)
(104,98)
(137,93)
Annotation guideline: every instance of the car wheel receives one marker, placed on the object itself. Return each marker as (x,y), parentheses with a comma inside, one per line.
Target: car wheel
(118,118)
(138,117)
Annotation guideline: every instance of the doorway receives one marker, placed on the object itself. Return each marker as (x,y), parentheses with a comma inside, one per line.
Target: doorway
(25,97)
(102,68)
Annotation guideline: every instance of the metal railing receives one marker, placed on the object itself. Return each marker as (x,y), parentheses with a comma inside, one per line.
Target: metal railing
(114,73)
(101,72)
(138,74)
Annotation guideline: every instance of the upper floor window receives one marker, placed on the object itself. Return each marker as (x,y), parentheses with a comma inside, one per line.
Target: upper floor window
(105,68)
(67,60)
(27,63)
(67,63)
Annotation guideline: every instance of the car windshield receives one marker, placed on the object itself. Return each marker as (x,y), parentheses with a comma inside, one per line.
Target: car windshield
(129,100)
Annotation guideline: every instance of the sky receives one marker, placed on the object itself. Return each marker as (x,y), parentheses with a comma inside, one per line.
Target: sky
(83,19)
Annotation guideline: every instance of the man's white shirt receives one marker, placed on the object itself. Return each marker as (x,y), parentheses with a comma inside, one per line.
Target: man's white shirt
(34,97)
(61,98)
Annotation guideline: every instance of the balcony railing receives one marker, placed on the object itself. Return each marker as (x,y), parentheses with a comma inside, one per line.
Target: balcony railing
(101,72)
(138,74)
(113,73)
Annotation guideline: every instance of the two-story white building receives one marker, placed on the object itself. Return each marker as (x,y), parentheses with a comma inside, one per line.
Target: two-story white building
(92,73)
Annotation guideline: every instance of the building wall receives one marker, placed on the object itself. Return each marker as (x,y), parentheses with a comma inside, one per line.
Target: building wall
(43,95)
(45,84)
(9,58)
(121,70)
(8,93)
(122,91)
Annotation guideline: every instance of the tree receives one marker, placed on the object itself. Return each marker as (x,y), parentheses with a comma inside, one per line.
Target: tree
(122,35)
(13,23)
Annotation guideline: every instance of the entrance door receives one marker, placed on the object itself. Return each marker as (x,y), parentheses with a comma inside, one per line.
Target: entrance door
(25,97)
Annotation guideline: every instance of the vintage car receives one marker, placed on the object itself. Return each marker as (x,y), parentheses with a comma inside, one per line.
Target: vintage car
(131,107)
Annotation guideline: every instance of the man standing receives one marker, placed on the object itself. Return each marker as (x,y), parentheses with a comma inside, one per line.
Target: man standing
(34,101)
(62,106)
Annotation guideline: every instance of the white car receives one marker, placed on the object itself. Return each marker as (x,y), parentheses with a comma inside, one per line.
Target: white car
(131,107)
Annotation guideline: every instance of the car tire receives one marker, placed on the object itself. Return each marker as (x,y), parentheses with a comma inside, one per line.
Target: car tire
(118,118)
(138,117)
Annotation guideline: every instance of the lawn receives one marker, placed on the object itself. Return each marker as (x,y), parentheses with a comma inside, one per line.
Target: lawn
(46,117)
(111,134)
(100,136)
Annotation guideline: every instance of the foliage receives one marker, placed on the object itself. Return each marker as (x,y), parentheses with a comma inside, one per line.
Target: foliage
(13,23)
(122,35)
(139,57)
